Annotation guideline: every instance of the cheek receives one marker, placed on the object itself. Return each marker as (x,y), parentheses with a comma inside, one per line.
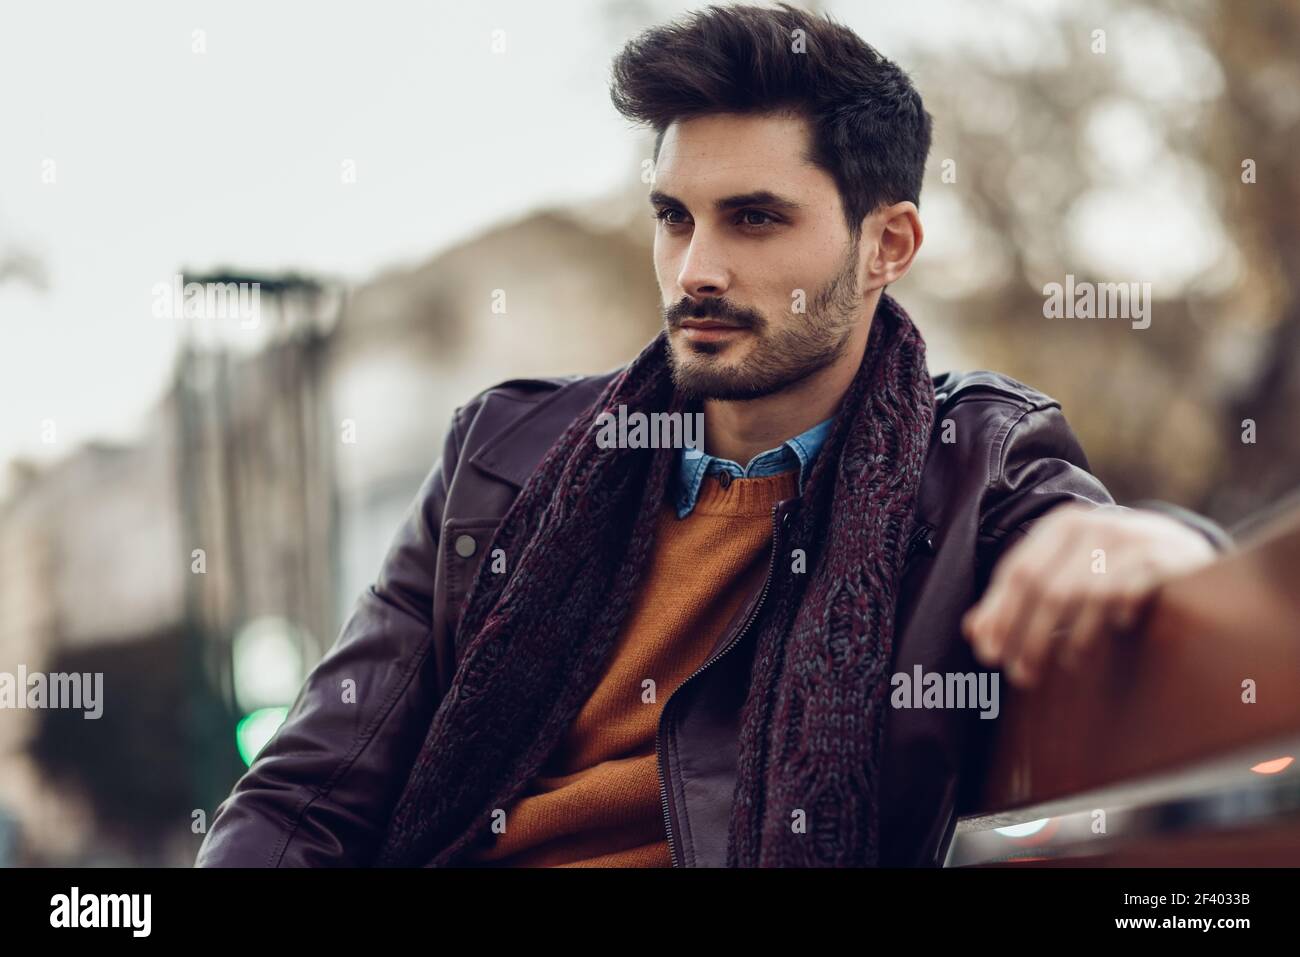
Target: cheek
(781,293)
(663,268)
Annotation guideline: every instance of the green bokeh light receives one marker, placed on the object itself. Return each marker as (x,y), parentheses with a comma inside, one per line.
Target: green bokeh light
(257,728)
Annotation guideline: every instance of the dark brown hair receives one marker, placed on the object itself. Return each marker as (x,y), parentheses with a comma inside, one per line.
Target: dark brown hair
(870,130)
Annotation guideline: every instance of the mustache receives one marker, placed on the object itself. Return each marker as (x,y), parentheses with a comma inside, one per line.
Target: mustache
(711,309)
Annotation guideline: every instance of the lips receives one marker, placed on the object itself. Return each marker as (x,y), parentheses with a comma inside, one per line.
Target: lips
(710,331)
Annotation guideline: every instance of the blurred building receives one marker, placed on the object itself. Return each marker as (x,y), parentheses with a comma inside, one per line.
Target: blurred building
(547,295)
(206,567)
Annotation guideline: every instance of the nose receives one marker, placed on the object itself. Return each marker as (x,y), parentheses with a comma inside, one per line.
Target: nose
(703,274)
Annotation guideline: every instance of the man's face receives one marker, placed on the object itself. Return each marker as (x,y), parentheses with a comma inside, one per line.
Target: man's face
(758,291)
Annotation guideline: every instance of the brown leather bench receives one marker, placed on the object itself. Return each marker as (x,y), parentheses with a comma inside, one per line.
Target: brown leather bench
(1153,729)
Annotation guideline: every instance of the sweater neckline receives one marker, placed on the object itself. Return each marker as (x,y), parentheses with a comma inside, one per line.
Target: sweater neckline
(744,496)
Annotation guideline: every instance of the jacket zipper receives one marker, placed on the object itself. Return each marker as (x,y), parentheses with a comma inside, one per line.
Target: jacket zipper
(921,536)
(659,755)
(918,537)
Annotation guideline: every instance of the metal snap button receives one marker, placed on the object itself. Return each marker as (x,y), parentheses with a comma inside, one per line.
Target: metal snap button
(724,479)
(465,545)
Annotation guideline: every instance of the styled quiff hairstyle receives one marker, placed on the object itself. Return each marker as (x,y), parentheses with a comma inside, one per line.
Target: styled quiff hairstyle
(870,131)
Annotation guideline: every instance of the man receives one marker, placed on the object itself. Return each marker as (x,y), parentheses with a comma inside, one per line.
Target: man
(581,652)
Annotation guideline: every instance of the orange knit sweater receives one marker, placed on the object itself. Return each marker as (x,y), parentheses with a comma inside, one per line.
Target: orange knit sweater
(596,801)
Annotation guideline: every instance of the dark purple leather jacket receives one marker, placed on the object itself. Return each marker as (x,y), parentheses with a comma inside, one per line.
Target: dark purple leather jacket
(321,791)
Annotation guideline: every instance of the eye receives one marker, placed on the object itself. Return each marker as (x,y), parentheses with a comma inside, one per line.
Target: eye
(663,213)
(769,220)
(764,220)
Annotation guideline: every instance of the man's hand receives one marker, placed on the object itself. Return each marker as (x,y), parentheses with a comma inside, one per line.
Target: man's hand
(1080,573)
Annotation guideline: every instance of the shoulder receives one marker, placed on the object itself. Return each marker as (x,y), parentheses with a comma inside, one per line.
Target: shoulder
(507,428)
(1002,454)
(990,419)
(985,387)
(510,399)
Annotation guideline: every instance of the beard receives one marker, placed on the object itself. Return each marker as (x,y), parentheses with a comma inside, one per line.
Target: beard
(776,358)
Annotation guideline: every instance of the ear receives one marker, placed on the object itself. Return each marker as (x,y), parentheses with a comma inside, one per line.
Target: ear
(897,235)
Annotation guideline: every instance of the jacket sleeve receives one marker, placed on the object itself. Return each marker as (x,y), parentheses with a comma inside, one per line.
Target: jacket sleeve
(319,793)
(1040,465)
(1036,464)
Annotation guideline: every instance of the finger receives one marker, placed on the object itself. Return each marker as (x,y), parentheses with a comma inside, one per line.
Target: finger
(1043,631)
(1006,589)
(1064,578)
(1129,604)
(1002,605)
(1019,592)
(1090,623)
(1111,610)
(1072,584)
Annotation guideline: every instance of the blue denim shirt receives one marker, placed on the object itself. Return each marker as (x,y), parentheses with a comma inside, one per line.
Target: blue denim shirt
(799,451)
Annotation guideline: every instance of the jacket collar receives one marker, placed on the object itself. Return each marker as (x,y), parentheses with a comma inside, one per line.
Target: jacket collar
(514,453)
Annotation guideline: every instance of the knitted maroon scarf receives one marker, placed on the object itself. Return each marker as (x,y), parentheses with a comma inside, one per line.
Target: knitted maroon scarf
(534,641)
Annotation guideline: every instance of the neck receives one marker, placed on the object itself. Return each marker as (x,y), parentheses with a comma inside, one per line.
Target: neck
(739,430)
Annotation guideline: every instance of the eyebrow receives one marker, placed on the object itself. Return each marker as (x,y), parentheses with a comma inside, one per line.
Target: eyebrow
(761,197)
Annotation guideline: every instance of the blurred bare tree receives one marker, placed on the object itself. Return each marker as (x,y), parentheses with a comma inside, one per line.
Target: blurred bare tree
(1258,46)
(1161,410)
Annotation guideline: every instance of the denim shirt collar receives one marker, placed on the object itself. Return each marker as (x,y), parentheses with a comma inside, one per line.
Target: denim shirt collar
(694,464)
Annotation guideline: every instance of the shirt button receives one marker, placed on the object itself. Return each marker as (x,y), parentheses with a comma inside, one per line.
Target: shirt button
(465,545)
(724,479)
